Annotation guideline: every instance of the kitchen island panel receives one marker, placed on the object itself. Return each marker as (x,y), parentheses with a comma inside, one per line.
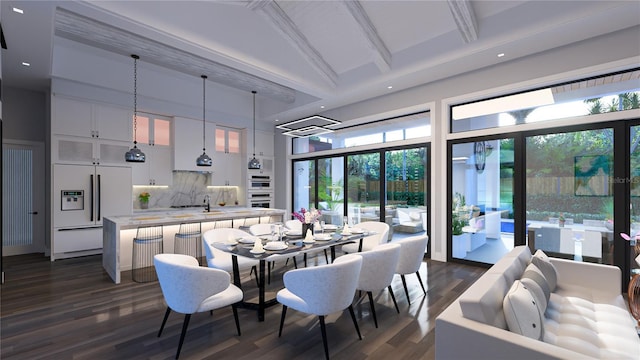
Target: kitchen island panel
(119,231)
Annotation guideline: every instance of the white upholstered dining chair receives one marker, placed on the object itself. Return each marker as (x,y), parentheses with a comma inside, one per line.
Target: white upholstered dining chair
(222,260)
(378,268)
(322,290)
(411,256)
(380,234)
(189,288)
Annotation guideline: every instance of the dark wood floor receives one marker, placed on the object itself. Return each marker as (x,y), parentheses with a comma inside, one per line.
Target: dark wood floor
(70,309)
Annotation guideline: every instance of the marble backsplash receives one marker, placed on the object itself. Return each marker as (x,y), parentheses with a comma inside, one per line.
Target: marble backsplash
(188,188)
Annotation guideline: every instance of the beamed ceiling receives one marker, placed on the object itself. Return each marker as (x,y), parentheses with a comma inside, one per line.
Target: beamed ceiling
(298,55)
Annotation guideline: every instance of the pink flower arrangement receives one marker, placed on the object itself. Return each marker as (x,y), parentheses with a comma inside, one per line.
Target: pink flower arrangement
(307,216)
(628,238)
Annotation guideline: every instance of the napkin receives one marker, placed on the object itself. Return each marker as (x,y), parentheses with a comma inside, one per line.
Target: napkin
(346,230)
(309,236)
(257,246)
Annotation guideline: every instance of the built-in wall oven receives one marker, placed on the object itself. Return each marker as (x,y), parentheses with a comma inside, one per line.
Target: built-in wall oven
(260,199)
(260,182)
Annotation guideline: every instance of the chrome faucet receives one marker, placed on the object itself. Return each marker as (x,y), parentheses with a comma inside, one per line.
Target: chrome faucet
(207,200)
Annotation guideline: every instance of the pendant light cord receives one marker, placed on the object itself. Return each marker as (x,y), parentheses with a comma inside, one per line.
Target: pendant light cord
(135,99)
(204,79)
(254,123)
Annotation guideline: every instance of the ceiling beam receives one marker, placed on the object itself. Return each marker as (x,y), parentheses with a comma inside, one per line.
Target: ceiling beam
(382,55)
(88,31)
(283,23)
(465,19)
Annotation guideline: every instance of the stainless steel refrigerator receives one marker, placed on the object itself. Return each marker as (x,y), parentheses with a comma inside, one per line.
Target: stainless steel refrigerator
(82,196)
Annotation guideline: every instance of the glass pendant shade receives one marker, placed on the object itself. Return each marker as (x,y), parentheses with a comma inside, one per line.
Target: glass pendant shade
(134,154)
(254,164)
(204,159)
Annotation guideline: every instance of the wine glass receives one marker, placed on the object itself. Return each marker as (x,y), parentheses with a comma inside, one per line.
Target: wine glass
(345,221)
(322,223)
(273,231)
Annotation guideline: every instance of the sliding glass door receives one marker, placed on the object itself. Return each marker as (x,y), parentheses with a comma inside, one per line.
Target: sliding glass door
(363,189)
(304,185)
(331,189)
(569,194)
(406,190)
(482,225)
(384,185)
(634,199)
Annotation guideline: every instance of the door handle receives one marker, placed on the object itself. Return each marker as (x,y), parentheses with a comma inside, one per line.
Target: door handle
(33,212)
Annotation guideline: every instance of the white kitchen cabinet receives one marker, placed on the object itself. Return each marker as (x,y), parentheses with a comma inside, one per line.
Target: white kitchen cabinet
(88,151)
(187,144)
(157,169)
(266,163)
(227,170)
(264,143)
(89,120)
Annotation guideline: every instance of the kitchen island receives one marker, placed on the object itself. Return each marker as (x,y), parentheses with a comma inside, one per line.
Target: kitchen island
(118,231)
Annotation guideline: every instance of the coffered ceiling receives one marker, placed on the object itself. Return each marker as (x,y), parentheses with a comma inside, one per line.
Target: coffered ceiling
(303,57)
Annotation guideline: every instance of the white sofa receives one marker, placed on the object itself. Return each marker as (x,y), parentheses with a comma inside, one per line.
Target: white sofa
(585,316)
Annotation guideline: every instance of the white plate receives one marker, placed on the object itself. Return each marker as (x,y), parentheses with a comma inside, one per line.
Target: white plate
(309,241)
(294,232)
(256,251)
(269,237)
(322,237)
(357,231)
(275,245)
(248,240)
(330,227)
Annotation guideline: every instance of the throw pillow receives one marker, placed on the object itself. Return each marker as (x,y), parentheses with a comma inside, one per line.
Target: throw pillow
(533,272)
(521,312)
(537,293)
(541,260)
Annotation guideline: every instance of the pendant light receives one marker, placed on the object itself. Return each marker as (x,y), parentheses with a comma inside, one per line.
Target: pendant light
(135,154)
(204,159)
(254,164)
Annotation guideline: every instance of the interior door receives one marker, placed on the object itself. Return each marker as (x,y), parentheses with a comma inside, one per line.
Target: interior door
(23,205)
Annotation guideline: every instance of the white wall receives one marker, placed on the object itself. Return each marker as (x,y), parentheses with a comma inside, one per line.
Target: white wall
(24,114)
(612,52)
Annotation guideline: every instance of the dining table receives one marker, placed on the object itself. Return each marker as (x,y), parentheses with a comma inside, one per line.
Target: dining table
(290,244)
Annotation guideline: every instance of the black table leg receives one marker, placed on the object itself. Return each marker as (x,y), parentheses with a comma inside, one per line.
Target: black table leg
(261,304)
(236,272)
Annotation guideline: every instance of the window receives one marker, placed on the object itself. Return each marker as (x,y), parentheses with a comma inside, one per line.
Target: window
(607,93)
(377,132)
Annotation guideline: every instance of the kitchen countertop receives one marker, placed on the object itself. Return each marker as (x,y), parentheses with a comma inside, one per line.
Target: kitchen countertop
(168,216)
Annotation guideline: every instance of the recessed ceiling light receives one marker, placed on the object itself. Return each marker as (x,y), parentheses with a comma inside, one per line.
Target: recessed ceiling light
(389,87)
(501,55)
(277,120)
(18,10)
(26,63)
(321,106)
